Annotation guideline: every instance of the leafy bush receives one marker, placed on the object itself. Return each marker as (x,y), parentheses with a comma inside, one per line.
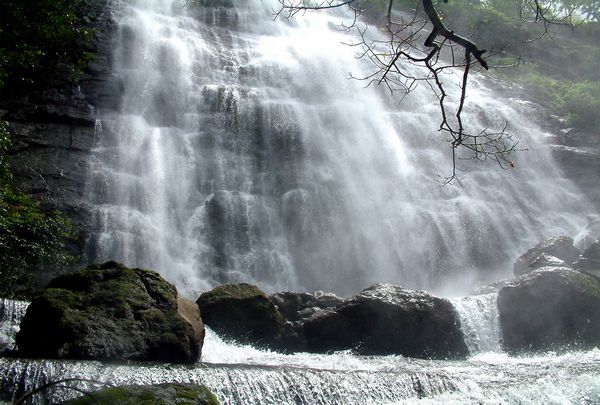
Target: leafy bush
(40,40)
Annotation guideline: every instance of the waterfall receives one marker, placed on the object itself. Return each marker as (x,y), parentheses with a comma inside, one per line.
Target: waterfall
(479,322)
(242,152)
(11,314)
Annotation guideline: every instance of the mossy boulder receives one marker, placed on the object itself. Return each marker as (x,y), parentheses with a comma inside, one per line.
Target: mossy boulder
(242,312)
(164,394)
(388,319)
(550,308)
(111,312)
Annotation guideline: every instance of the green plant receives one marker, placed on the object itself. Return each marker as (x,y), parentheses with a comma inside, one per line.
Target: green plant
(40,41)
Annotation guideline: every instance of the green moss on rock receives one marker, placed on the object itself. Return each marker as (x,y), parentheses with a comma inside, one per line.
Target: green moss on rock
(242,312)
(150,395)
(111,312)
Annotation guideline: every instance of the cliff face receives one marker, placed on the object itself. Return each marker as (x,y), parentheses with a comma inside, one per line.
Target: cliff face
(53,129)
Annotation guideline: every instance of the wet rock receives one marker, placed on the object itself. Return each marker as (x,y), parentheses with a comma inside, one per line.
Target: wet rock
(387,319)
(550,308)
(561,247)
(111,312)
(243,313)
(582,165)
(589,262)
(295,306)
(150,394)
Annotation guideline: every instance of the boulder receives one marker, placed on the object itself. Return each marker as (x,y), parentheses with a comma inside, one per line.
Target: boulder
(191,394)
(243,313)
(111,312)
(560,247)
(296,306)
(387,319)
(550,308)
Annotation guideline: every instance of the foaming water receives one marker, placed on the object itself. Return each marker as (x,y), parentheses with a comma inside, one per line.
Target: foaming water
(240,374)
(243,153)
(254,377)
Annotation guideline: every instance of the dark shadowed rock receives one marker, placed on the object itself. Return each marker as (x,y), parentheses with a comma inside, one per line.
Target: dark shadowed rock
(242,312)
(111,312)
(191,394)
(561,247)
(387,319)
(550,308)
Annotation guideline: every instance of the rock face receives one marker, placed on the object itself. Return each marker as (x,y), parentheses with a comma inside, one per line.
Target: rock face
(111,312)
(581,163)
(550,308)
(242,312)
(53,131)
(387,319)
(546,253)
(191,394)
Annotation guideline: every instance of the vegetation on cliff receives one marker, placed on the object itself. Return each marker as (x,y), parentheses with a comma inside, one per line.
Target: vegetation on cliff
(41,42)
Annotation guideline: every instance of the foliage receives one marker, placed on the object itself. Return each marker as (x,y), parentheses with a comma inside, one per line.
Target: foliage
(29,235)
(559,71)
(40,41)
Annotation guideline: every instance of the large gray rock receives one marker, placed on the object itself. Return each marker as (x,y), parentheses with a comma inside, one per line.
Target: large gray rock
(560,247)
(582,165)
(387,319)
(243,313)
(550,308)
(111,312)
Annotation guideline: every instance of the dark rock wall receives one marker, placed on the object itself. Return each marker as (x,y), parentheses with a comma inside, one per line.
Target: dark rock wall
(54,128)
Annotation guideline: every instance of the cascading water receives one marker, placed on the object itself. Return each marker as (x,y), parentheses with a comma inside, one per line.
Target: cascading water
(243,153)
(11,313)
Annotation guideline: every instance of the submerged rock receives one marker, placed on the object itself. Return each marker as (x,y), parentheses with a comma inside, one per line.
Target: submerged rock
(550,308)
(242,312)
(557,247)
(111,312)
(387,319)
(192,394)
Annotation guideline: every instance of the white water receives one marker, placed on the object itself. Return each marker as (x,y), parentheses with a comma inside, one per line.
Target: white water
(479,322)
(11,313)
(243,153)
(245,375)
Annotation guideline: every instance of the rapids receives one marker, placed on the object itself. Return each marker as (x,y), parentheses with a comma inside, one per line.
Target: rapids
(245,375)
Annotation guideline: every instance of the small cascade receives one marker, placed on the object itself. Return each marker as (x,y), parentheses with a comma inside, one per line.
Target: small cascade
(11,313)
(339,378)
(479,322)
